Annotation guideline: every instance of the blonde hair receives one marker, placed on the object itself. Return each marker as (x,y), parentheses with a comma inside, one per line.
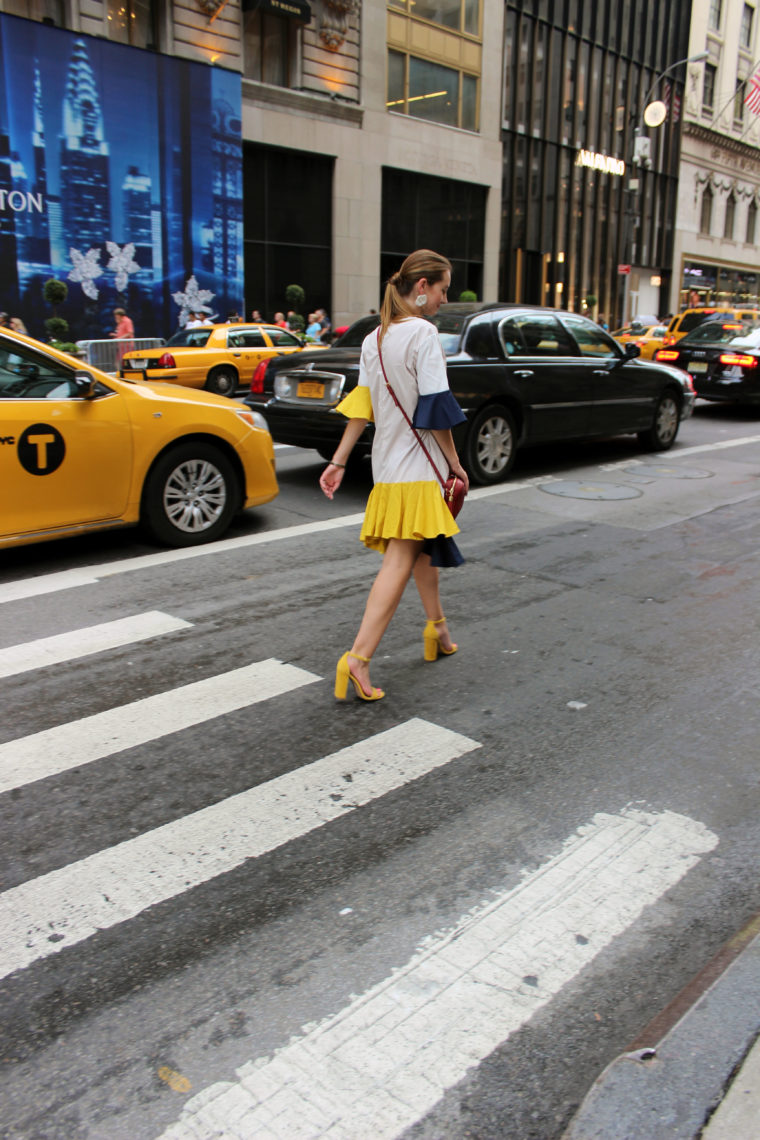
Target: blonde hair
(396,300)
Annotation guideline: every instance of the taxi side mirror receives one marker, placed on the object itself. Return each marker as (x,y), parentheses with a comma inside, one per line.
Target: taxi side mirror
(84,384)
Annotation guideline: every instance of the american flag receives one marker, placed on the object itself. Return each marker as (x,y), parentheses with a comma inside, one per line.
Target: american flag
(752,98)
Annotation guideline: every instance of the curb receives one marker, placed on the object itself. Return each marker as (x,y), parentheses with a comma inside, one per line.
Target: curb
(677,1071)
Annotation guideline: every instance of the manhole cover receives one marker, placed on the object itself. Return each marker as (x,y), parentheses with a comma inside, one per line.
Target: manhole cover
(570,490)
(666,471)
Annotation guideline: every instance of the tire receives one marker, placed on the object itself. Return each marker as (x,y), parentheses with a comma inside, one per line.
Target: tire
(223,380)
(661,435)
(190,495)
(491,445)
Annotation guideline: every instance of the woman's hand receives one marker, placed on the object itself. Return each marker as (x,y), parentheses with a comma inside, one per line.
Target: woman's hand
(331,478)
(458,470)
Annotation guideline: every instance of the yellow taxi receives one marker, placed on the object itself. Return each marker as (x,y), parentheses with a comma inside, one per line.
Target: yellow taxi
(648,339)
(83,451)
(219,358)
(683,323)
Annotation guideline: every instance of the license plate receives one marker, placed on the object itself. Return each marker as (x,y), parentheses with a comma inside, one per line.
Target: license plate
(137,363)
(311,388)
(698,366)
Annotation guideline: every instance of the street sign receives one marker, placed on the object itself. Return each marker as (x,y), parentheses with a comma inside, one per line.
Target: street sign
(624,269)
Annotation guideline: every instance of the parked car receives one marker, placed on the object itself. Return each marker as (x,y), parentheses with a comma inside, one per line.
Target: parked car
(683,323)
(522,375)
(83,451)
(723,360)
(219,358)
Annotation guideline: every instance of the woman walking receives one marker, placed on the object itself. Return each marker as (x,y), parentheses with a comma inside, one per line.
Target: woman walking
(406,518)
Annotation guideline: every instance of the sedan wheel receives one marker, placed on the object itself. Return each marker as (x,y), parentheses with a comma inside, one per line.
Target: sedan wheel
(491,444)
(223,381)
(661,435)
(190,495)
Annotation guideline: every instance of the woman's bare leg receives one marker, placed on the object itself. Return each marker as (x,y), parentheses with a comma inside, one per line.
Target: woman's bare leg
(426,579)
(384,597)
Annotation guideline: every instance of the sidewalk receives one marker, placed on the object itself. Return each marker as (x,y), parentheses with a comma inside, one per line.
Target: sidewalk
(695,1071)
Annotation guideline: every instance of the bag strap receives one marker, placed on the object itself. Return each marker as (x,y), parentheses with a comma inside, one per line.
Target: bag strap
(406,417)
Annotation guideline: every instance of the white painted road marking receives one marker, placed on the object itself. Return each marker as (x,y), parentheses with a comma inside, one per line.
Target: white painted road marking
(83,642)
(383,1062)
(66,906)
(78,742)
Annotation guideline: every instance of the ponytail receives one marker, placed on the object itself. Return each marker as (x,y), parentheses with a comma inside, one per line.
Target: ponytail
(397,302)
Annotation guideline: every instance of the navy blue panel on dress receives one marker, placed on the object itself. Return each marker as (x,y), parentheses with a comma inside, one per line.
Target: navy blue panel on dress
(438,412)
(443,552)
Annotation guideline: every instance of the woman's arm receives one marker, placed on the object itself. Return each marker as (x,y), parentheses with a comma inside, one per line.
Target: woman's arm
(332,476)
(445,441)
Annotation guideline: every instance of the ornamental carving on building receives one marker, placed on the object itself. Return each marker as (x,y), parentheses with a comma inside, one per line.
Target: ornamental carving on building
(333,26)
(211,7)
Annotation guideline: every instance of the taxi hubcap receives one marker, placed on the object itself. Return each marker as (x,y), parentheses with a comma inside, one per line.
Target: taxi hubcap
(195,495)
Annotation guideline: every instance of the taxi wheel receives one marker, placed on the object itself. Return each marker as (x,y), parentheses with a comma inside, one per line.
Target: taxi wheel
(222,380)
(190,495)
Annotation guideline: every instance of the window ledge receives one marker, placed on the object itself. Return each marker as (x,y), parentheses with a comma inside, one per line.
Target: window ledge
(290,99)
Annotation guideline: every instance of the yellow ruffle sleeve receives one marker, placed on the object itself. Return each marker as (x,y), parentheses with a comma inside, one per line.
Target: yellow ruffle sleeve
(357,405)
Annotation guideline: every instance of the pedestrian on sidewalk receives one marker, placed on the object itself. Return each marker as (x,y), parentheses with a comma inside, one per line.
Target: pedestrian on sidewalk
(406,518)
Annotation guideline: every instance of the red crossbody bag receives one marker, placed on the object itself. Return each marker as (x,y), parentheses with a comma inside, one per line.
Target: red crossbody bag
(453,488)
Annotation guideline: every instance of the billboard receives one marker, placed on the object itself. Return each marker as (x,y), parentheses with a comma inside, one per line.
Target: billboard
(120,174)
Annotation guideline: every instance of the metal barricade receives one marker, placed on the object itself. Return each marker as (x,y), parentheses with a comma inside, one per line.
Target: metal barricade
(106,354)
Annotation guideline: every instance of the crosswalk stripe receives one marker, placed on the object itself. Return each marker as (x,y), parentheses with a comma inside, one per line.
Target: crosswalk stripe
(83,642)
(78,742)
(68,905)
(383,1062)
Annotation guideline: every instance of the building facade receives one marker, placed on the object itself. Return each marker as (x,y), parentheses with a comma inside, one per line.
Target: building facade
(716,249)
(583,226)
(368,129)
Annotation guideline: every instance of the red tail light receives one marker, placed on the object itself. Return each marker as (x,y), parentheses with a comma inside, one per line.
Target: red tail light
(669,339)
(166,360)
(666,354)
(257,384)
(739,358)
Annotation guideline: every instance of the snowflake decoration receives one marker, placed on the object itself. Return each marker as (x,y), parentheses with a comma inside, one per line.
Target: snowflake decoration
(85,270)
(193,300)
(122,263)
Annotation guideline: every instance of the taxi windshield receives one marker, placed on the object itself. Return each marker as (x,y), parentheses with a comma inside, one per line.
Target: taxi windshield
(721,332)
(189,338)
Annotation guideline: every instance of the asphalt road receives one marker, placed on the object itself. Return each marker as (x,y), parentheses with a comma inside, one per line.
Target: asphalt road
(240,909)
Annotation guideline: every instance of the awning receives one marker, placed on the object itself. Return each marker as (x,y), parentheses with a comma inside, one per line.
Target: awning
(295,9)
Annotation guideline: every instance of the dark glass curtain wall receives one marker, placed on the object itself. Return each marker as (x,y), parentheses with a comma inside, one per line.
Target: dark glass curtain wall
(287,228)
(577,73)
(423,212)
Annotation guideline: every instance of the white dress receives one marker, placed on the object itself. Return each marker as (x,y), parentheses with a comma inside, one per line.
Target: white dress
(407,500)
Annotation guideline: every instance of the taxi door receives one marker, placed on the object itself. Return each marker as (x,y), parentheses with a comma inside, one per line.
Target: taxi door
(64,460)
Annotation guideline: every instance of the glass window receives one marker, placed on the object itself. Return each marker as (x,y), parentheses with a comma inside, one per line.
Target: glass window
(132,22)
(739,104)
(46,11)
(705,218)
(708,87)
(247,339)
(469,118)
(283,339)
(715,13)
(472,17)
(590,338)
(533,335)
(433,92)
(267,48)
(751,223)
(745,32)
(27,375)
(482,341)
(396,81)
(189,338)
(445,12)
(728,225)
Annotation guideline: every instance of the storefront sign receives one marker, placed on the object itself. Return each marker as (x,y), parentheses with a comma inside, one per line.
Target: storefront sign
(296,9)
(601,162)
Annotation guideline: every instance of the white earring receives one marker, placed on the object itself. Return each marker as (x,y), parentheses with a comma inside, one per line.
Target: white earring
(421,300)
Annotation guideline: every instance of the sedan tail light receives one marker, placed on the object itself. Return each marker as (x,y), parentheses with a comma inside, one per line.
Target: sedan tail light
(739,358)
(166,360)
(257,384)
(667,354)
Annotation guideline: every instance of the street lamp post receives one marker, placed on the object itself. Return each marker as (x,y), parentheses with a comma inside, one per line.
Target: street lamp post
(650,115)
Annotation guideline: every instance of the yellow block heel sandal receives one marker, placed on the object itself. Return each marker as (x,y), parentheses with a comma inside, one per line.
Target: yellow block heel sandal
(343,675)
(432,641)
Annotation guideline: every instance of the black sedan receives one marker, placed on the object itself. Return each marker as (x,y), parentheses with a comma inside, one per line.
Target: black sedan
(522,375)
(723,360)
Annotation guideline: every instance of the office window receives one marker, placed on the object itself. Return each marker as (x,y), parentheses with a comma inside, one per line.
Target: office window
(728,224)
(44,11)
(431,91)
(267,48)
(705,218)
(459,15)
(739,103)
(708,87)
(751,223)
(745,32)
(715,13)
(133,22)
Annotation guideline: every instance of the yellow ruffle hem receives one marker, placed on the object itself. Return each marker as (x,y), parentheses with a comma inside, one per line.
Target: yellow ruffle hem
(406,510)
(357,405)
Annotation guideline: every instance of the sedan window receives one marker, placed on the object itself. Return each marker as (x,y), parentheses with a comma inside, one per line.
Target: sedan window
(283,339)
(534,334)
(249,339)
(29,376)
(189,338)
(591,339)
